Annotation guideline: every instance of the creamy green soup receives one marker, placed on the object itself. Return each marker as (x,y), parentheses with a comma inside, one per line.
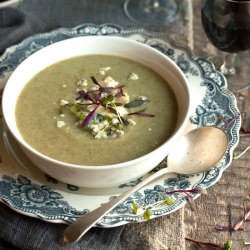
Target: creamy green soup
(57,135)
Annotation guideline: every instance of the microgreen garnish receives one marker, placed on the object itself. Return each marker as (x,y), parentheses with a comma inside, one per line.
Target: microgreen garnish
(89,117)
(236,157)
(165,198)
(237,226)
(197,190)
(188,197)
(136,103)
(103,109)
(202,245)
(242,220)
(135,208)
(147,210)
(226,228)
(147,214)
(228,125)
(141,113)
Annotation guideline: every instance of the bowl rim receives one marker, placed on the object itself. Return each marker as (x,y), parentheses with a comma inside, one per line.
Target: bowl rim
(178,131)
(8,3)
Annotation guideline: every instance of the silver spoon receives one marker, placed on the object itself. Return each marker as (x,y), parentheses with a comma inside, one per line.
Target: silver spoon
(196,152)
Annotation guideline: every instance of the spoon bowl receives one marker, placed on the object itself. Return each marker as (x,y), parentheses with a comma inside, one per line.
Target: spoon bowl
(195,152)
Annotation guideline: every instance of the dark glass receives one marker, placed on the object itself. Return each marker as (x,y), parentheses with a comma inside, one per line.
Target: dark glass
(227,24)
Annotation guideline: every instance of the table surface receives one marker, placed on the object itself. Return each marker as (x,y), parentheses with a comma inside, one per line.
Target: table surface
(226,200)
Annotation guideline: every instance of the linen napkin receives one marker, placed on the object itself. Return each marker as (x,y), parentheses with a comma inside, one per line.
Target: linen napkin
(16,25)
(26,233)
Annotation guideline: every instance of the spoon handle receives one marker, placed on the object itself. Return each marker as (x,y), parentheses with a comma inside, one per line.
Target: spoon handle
(78,228)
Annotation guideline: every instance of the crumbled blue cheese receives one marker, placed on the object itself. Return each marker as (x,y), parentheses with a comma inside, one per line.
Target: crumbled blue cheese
(119,132)
(63,102)
(94,88)
(124,99)
(103,70)
(115,121)
(98,130)
(121,111)
(60,124)
(143,98)
(133,76)
(94,128)
(109,82)
(131,122)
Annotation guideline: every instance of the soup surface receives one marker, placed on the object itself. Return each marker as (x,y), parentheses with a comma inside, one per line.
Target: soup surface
(56,135)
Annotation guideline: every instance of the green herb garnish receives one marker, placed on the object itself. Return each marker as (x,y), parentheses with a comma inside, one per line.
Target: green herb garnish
(100,111)
(147,214)
(136,103)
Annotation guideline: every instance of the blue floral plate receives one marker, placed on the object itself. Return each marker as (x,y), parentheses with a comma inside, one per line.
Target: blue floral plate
(29,191)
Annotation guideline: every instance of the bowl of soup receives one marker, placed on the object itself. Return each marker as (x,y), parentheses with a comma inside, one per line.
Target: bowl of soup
(96,111)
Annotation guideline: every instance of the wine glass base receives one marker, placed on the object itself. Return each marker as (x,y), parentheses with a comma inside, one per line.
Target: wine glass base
(227,71)
(151,12)
(228,66)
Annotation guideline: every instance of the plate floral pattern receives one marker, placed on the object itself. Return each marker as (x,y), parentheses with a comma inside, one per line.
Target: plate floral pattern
(29,191)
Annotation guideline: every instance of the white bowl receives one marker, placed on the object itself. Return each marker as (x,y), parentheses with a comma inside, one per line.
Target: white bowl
(9,3)
(108,175)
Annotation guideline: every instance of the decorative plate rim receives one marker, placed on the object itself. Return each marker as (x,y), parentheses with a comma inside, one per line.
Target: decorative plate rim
(209,78)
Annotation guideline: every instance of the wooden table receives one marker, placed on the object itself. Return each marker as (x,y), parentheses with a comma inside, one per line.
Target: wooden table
(224,204)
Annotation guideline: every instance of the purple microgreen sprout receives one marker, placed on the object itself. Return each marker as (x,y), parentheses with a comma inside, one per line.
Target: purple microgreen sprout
(197,190)
(86,96)
(231,122)
(242,220)
(141,113)
(89,117)
(188,197)
(120,91)
(237,226)
(227,228)
(124,121)
(203,245)
(105,98)
(190,200)
(95,81)
(245,135)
